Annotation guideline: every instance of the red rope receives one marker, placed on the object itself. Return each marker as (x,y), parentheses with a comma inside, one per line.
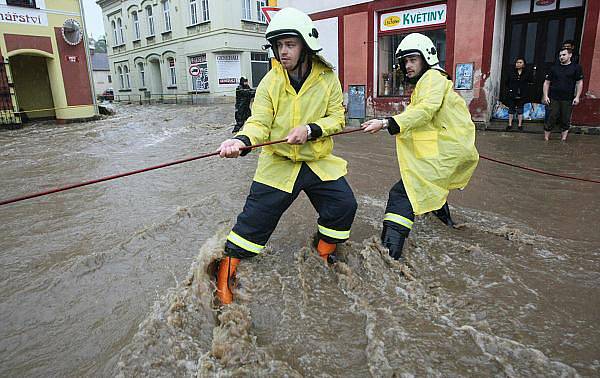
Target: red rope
(539,170)
(107,178)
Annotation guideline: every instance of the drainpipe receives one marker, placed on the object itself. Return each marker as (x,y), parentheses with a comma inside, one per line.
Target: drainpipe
(87,58)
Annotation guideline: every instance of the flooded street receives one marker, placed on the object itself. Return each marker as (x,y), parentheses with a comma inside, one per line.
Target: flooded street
(114,278)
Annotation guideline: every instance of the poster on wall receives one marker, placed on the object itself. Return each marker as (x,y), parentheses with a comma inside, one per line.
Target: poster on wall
(464,76)
(356,101)
(228,69)
(198,71)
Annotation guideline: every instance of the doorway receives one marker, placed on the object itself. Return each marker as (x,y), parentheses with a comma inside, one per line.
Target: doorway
(535,30)
(32,86)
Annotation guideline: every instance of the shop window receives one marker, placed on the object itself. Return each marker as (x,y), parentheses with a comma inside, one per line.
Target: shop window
(260,66)
(390,78)
(200,76)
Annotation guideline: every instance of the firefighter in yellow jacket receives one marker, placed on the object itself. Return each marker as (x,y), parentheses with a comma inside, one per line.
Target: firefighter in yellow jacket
(300,99)
(435,143)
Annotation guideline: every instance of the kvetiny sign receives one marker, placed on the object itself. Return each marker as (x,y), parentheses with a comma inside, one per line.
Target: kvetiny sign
(412,18)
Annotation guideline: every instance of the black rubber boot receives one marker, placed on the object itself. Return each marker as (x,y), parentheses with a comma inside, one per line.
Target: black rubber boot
(443,214)
(393,240)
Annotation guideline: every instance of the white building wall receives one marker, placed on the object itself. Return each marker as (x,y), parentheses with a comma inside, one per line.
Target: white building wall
(224,33)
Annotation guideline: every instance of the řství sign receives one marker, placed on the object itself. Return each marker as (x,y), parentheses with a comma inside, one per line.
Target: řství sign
(412,18)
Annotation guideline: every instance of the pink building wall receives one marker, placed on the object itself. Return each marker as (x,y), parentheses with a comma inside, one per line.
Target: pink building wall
(355,49)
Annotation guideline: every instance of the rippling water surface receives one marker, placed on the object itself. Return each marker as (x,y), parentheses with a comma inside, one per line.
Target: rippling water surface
(115,278)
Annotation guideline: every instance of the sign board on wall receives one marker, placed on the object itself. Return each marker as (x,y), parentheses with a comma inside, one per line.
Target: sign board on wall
(23,16)
(356,101)
(228,69)
(413,18)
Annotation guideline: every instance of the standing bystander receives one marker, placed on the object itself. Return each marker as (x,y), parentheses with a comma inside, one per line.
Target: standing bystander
(562,89)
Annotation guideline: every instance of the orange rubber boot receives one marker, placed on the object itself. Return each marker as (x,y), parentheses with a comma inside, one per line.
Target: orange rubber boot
(325,249)
(227,268)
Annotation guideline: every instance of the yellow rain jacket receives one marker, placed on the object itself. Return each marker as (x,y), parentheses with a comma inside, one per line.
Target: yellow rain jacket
(436,143)
(277,109)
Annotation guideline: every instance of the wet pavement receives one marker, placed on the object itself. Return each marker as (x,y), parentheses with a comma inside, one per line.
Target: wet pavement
(113,279)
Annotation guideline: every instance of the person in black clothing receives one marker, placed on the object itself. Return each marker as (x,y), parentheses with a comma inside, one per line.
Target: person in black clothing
(517,83)
(243,95)
(562,89)
(570,44)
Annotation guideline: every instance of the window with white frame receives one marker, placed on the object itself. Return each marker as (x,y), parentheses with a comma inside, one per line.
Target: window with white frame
(251,10)
(121,33)
(142,77)
(121,78)
(113,24)
(150,20)
(136,25)
(204,10)
(172,71)
(193,12)
(259,14)
(127,80)
(167,15)
(246,9)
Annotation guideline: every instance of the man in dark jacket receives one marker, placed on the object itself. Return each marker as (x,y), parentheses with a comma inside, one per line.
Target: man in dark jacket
(243,96)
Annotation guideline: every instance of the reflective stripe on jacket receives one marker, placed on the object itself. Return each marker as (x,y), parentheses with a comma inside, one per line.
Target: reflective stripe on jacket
(436,143)
(277,109)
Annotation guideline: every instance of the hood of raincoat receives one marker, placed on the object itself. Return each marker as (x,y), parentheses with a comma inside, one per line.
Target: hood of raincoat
(277,109)
(436,143)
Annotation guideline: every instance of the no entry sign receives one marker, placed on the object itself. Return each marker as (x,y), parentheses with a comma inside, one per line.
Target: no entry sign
(194,69)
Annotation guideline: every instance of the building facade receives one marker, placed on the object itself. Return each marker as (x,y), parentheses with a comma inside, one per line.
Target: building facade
(100,71)
(477,41)
(167,47)
(44,71)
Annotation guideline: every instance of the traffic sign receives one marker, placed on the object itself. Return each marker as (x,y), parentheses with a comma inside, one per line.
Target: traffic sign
(269,12)
(194,69)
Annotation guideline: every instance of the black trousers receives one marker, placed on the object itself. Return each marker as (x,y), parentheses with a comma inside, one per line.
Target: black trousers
(333,200)
(399,213)
(560,114)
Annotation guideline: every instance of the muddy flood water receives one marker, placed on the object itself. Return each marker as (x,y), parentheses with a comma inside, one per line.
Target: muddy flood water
(114,279)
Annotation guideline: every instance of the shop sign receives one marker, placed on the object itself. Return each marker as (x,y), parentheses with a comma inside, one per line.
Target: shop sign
(23,16)
(412,18)
(228,69)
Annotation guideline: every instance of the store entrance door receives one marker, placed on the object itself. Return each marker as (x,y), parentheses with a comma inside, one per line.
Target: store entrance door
(535,30)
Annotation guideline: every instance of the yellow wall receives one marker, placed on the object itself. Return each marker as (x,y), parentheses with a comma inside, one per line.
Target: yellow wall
(55,94)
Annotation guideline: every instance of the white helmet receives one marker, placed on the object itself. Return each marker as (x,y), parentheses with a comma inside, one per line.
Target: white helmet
(292,22)
(415,43)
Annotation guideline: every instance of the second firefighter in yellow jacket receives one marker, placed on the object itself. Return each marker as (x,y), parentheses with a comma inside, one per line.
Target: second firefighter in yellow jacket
(435,143)
(300,99)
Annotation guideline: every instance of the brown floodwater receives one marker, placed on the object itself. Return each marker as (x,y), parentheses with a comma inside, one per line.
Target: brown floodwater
(114,278)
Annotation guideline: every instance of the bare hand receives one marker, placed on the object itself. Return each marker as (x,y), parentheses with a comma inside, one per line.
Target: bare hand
(546,100)
(231,148)
(372,126)
(298,135)
(576,101)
